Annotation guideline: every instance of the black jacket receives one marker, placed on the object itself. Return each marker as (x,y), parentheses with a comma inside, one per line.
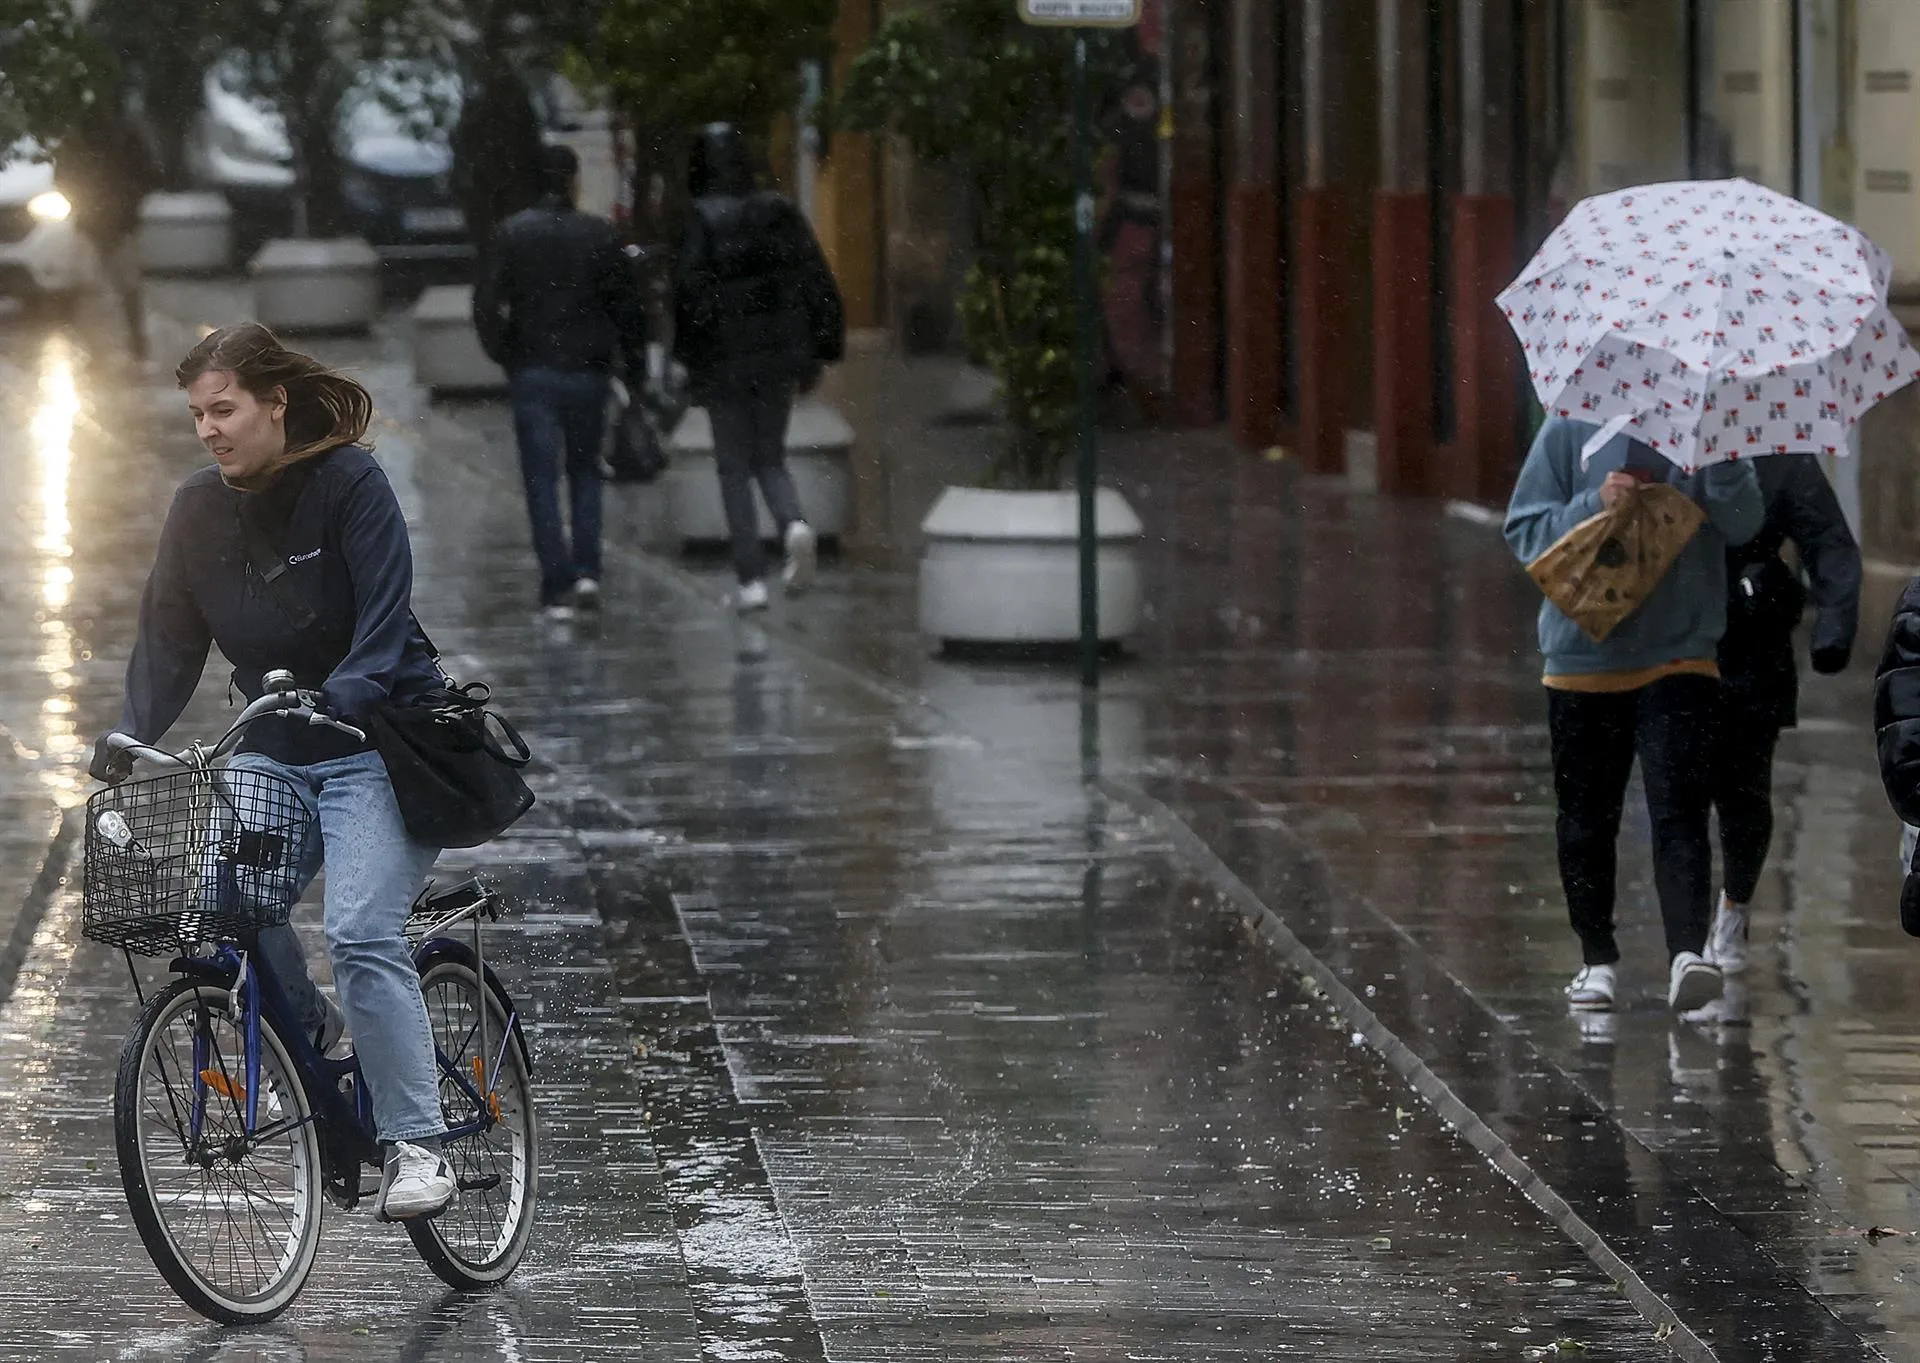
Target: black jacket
(1896,707)
(755,303)
(336,520)
(558,293)
(1766,597)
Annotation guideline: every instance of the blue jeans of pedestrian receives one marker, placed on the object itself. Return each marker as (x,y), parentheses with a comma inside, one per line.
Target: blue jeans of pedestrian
(374,869)
(560,420)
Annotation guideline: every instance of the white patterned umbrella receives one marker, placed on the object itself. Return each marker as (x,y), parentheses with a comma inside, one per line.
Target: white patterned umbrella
(1710,319)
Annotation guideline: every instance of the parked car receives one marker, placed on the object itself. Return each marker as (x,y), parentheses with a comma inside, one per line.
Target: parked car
(396,161)
(239,146)
(42,257)
(397,165)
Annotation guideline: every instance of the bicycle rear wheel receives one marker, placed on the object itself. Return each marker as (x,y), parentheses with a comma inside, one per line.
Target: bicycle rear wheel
(231,1222)
(478,1242)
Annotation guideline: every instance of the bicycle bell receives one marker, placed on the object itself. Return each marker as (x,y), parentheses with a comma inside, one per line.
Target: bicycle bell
(279,680)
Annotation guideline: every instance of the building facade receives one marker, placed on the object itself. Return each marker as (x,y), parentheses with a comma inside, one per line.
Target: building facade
(1311,204)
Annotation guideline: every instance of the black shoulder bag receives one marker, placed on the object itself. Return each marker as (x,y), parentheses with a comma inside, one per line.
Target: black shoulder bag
(455,764)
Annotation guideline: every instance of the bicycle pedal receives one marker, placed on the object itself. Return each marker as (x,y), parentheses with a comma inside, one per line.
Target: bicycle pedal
(483,1183)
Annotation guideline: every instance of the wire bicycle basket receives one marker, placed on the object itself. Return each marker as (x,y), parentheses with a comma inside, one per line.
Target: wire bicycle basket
(203,855)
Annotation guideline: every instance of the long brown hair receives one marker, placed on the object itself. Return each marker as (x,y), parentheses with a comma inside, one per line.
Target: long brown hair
(325,408)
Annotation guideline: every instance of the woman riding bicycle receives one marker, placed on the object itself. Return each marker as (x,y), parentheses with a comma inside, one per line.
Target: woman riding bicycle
(293,491)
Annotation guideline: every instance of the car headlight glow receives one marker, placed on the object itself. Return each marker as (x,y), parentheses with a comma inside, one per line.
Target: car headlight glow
(52,206)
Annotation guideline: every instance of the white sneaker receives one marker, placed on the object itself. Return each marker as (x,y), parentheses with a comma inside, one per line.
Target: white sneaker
(1591,990)
(559,613)
(416,1182)
(752,596)
(586,594)
(1727,939)
(1693,983)
(803,554)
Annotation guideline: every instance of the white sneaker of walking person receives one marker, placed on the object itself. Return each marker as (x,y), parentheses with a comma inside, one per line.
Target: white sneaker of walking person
(752,596)
(1591,990)
(586,594)
(803,555)
(1727,938)
(416,1182)
(1693,982)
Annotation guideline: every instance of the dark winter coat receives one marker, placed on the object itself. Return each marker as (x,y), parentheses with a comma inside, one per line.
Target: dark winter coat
(558,293)
(755,303)
(1896,707)
(1765,597)
(335,519)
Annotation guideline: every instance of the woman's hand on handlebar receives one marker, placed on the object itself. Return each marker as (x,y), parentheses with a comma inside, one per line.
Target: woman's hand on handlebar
(110,764)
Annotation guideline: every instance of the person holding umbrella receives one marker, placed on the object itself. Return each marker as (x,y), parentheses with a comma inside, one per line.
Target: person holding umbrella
(1760,685)
(1650,690)
(1675,333)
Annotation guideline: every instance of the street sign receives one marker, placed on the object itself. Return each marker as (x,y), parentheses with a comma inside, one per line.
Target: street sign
(1081,13)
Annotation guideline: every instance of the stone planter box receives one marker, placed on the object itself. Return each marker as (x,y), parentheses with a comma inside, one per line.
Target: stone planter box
(304,285)
(447,357)
(819,451)
(1004,567)
(186,234)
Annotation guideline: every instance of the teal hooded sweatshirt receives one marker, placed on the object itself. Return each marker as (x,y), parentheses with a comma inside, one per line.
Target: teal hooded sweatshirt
(1684,617)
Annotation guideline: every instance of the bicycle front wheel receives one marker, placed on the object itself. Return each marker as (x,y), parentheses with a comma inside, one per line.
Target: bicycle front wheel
(231,1220)
(478,1241)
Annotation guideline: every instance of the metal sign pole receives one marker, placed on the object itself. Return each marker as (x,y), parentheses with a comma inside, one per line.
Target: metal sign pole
(1087,470)
(1081,15)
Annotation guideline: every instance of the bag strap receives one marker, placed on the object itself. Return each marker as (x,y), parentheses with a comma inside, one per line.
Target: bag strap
(520,753)
(271,565)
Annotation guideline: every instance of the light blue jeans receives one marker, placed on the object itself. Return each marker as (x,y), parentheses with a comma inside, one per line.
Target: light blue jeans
(373,872)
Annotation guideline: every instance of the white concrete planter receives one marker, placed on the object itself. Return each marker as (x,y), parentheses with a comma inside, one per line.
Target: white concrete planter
(447,357)
(306,285)
(1004,567)
(186,234)
(819,451)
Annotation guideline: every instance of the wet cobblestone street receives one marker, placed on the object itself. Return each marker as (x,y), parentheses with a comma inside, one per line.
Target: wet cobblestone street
(865,1028)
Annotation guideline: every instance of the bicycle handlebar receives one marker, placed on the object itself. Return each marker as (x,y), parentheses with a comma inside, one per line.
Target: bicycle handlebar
(289,703)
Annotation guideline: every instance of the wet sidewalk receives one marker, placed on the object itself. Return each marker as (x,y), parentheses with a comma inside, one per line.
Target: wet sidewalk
(1338,696)
(878,1033)
(856,1036)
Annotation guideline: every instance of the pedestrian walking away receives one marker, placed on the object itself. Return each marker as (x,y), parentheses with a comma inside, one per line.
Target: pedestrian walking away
(556,308)
(107,167)
(289,471)
(756,315)
(1649,689)
(1760,684)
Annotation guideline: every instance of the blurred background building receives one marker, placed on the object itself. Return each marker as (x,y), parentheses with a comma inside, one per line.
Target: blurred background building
(1311,204)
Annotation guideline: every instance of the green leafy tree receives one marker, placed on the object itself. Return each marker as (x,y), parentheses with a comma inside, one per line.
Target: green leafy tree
(673,65)
(49,70)
(299,57)
(163,49)
(973,90)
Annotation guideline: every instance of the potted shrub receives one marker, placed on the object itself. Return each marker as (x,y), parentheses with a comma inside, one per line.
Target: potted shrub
(970,88)
(297,56)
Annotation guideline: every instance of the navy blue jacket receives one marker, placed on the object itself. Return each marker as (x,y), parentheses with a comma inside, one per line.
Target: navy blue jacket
(337,523)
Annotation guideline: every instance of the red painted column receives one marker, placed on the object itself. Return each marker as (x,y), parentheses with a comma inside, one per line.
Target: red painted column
(1194,236)
(1253,314)
(1403,342)
(1486,357)
(1194,226)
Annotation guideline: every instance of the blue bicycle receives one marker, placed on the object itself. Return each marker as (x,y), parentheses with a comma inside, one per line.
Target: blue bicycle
(229,1123)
